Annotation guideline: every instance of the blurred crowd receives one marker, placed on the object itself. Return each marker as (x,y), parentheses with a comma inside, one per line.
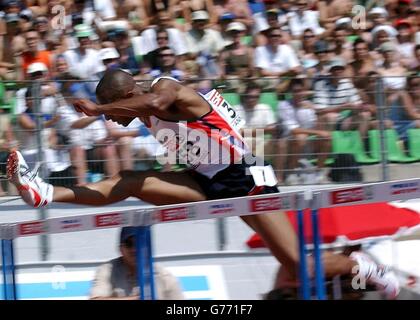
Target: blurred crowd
(317,62)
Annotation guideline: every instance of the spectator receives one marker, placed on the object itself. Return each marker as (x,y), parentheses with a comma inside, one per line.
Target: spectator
(117,279)
(303,18)
(127,59)
(342,47)
(237,59)
(401,109)
(320,70)
(175,38)
(416,64)
(32,53)
(276,60)
(41,26)
(306,53)
(257,116)
(152,58)
(391,70)
(26,115)
(272,20)
(337,103)
(271,7)
(405,42)
(299,122)
(239,8)
(332,10)
(167,65)
(110,58)
(84,62)
(362,64)
(204,44)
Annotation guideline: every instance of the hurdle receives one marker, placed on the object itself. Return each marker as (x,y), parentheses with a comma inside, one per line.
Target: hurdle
(144,218)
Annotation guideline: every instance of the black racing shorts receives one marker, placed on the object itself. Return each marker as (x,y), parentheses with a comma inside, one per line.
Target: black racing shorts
(231,182)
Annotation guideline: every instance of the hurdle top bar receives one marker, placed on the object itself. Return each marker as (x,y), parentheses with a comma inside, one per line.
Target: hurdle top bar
(334,197)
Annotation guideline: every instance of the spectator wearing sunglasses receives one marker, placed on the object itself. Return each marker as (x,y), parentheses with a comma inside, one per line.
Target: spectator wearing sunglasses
(117,279)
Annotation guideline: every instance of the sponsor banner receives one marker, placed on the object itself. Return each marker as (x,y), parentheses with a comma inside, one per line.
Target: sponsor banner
(404,188)
(351,195)
(109,220)
(176,214)
(31,228)
(269,204)
(221,208)
(70,224)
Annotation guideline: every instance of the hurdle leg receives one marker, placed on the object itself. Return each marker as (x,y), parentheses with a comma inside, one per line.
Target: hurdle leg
(145,263)
(9,277)
(304,288)
(319,269)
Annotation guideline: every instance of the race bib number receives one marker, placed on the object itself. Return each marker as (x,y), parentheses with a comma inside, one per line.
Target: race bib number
(263,176)
(224,109)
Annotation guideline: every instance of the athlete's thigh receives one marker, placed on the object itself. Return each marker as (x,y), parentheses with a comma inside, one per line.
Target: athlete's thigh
(162,188)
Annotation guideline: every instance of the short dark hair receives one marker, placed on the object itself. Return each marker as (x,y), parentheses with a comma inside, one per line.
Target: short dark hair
(114,85)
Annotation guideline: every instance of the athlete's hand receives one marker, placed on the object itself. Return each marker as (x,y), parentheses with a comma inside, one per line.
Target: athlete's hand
(87,107)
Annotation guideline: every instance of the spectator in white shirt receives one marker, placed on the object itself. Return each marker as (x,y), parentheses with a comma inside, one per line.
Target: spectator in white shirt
(175,37)
(276,60)
(84,62)
(303,18)
(257,116)
(298,122)
(204,44)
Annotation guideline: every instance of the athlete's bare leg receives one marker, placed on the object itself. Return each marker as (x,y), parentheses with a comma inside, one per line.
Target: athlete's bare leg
(158,188)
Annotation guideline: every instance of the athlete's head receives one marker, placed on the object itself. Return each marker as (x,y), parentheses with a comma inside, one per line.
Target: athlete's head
(115,85)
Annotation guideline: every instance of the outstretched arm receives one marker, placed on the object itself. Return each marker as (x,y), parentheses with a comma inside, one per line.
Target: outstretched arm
(163,95)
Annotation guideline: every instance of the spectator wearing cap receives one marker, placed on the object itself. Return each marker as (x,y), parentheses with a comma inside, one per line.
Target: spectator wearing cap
(117,279)
(337,102)
(41,25)
(84,62)
(204,44)
(110,58)
(127,58)
(405,42)
(303,18)
(32,53)
(378,16)
(322,50)
(224,21)
(391,70)
(12,44)
(272,20)
(276,60)
(381,34)
(362,64)
(273,7)
(237,59)
(26,113)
